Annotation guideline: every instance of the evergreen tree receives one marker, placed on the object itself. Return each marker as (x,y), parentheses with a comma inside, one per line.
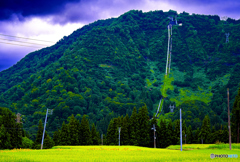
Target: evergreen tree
(184,130)
(176,137)
(205,130)
(225,135)
(163,132)
(144,126)
(189,135)
(85,134)
(124,131)
(56,137)
(235,120)
(5,142)
(73,131)
(48,142)
(112,132)
(95,135)
(213,137)
(64,135)
(38,140)
(196,136)
(7,119)
(133,128)
(18,135)
(220,134)
(169,133)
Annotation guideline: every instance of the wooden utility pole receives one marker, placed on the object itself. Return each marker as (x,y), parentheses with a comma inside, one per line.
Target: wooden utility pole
(181,128)
(229,127)
(154,137)
(119,130)
(102,138)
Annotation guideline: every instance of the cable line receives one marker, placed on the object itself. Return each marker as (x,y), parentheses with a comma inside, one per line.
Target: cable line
(20,45)
(26,38)
(25,42)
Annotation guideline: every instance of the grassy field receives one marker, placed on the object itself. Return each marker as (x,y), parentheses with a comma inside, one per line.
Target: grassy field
(120,153)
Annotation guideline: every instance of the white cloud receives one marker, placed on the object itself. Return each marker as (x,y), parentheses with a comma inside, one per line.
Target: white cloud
(34,28)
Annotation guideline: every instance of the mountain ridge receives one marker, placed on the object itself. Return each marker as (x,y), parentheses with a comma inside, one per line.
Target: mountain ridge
(107,67)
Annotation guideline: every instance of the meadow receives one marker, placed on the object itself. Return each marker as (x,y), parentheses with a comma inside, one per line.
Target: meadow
(191,152)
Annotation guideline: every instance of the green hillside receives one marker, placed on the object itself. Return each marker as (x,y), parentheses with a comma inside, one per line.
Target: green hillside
(106,68)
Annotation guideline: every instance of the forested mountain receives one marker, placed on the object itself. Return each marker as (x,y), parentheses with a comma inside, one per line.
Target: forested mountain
(108,67)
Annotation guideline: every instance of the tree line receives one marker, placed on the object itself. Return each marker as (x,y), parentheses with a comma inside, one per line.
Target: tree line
(135,130)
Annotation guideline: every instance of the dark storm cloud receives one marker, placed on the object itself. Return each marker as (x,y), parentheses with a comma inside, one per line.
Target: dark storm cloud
(230,8)
(65,11)
(25,8)
(86,11)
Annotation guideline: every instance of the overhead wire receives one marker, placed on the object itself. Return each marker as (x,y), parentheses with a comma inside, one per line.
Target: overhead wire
(24,42)
(26,38)
(20,45)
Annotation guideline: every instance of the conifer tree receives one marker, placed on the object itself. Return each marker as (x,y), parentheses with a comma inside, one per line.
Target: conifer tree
(213,135)
(112,132)
(163,132)
(144,126)
(133,128)
(64,135)
(205,130)
(73,131)
(235,120)
(18,135)
(38,140)
(85,134)
(219,134)
(121,120)
(7,118)
(184,131)
(197,136)
(124,131)
(5,142)
(56,137)
(176,137)
(225,135)
(169,133)
(95,135)
(48,142)
(189,135)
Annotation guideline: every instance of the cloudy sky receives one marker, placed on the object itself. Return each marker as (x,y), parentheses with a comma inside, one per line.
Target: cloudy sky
(44,22)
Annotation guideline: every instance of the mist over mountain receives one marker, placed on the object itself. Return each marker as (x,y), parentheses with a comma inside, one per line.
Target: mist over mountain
(108,67)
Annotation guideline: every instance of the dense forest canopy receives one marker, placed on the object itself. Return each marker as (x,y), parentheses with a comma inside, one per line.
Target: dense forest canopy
(108,67)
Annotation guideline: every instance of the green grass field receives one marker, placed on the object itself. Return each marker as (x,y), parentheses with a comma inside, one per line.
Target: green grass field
(198,152)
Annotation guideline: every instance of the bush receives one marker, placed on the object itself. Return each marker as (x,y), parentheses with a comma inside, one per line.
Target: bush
(26,142)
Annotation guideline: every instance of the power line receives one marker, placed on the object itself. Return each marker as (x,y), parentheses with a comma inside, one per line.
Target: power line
(19,45)
(24,42)
(26,38)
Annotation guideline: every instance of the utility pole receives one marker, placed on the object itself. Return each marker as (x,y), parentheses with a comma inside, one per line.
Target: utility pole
(229,127)
(154,130)
(102,138)
(119,130)
(50,113)
(181,128)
